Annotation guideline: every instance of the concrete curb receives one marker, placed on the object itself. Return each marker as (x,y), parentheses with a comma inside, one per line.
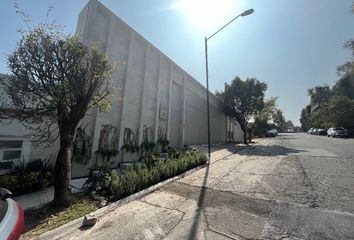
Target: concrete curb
(112,206)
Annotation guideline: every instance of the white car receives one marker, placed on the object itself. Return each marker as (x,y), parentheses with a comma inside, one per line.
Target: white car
(290,130)
(337,132)
(11,216)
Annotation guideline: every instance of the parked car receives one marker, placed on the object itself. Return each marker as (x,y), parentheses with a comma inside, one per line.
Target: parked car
(275,131)
(337,132)
(314,131)
(310,131)
(11,216)
(322,132)
(290,130)
(270,133)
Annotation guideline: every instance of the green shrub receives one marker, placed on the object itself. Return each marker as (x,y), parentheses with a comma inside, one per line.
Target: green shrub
(140,176)
(29,179)
(154,175)
(175,153)
(100,180)
(28,176)
(8,181)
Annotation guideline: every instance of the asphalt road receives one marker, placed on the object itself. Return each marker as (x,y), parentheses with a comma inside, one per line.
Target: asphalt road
(294,186)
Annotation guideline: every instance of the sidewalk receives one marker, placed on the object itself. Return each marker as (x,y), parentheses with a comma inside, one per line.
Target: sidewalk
(219,151)
(141,214)
(36,199)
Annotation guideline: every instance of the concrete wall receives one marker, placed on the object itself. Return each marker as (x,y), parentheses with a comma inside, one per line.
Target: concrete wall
(152,90)
(149,89)
(147,80)
(13,130)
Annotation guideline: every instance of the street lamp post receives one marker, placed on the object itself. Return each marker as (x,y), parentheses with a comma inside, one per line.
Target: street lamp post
(245,13)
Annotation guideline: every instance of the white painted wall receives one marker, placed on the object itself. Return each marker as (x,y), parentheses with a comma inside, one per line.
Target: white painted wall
(147,81)
(150,90)
(13,130)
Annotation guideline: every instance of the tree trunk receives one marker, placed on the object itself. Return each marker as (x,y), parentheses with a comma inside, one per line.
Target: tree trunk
(62,174)
(244,129)
(245,137)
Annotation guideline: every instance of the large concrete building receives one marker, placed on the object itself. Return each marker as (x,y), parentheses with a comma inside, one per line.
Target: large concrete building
(153,97)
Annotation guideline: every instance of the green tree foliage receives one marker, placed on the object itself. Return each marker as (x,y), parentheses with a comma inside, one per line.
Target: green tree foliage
(241,99)
(279,120)
(319,94)
(264,115)
(289,124)
(341,113)
(55,80)
(344,87)
(305,118)
(268,110)
(333,107)
(337,111)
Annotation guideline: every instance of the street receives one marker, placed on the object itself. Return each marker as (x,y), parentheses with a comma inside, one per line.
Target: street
(294,186)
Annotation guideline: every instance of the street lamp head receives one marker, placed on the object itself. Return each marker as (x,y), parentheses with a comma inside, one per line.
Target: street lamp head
(248,12)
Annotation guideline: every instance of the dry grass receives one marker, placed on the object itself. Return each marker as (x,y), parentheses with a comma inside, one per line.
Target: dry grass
(46,218)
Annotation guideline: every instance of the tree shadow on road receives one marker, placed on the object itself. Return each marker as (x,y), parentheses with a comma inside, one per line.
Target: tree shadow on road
(283,138)
(270,150)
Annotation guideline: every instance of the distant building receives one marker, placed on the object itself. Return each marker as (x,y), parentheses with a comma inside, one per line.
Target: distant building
(155,99)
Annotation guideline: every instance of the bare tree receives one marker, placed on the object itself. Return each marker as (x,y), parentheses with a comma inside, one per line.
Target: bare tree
(55,80)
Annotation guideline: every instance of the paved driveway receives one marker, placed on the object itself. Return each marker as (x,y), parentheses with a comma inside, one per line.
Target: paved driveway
(294,186)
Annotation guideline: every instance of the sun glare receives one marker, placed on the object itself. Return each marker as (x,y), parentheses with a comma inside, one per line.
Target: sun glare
(206,14)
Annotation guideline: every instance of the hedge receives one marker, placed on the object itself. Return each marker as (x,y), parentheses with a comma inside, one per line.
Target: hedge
(140,176)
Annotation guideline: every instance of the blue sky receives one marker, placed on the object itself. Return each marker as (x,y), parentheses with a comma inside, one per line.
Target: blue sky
(291,45)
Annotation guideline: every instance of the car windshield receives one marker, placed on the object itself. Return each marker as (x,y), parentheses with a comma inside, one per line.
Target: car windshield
(338,129)
(3,209)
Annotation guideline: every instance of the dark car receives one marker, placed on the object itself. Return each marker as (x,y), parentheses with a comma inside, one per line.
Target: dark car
(270,134)
(321,132)
(11,216)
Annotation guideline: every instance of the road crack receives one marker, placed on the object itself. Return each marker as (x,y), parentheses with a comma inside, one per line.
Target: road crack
(159,206)
(311,195)
(170,209)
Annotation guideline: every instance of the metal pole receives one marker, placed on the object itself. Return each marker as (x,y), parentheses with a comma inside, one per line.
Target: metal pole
(207,84)
(223,27)
(245,13)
